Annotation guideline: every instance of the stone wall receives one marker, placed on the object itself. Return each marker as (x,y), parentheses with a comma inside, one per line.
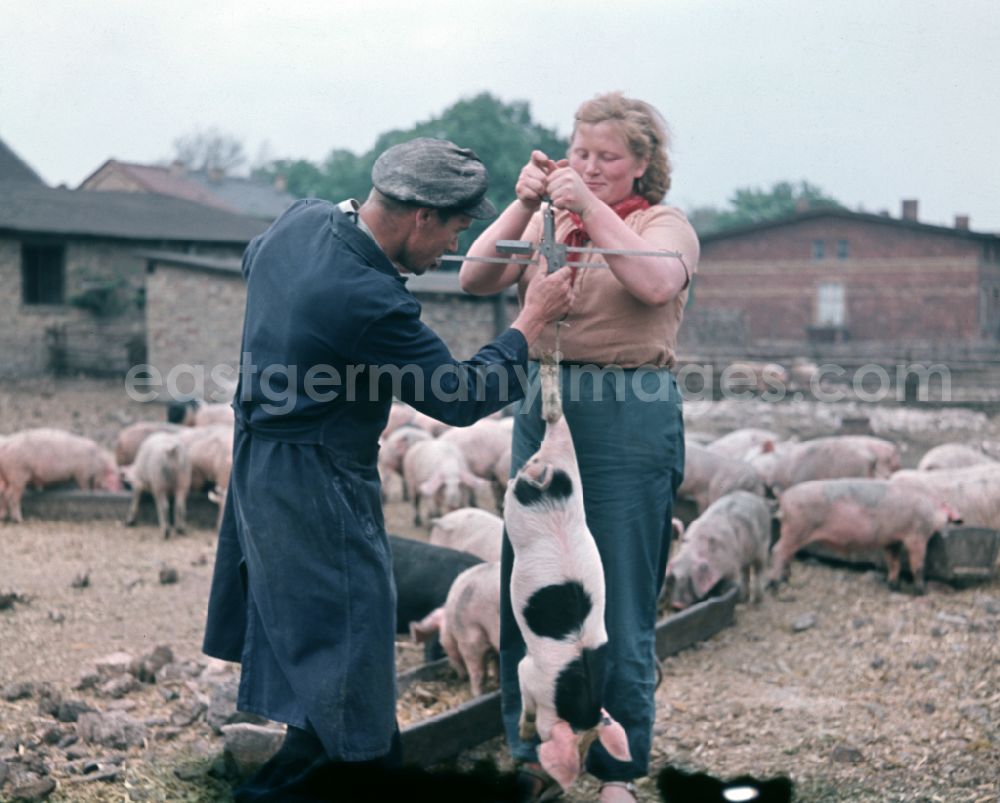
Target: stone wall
(26,330)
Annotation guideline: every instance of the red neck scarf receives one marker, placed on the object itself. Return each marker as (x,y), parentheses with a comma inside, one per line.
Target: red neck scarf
(578,236)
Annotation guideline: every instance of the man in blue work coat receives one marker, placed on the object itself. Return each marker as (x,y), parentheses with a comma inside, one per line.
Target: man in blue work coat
(302,593)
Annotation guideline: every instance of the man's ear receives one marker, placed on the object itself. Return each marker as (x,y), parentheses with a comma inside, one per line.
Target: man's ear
(424,216)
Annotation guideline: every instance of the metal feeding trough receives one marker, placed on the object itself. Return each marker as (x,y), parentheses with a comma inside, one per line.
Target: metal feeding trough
(72,504)
(445,735)
(959,556)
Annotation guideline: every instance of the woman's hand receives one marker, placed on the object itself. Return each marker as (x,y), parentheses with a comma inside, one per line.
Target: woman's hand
(568,191)
(532,183)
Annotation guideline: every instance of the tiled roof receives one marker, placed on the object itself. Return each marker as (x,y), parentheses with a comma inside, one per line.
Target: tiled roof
(13,168)
(246,195)
(35,209)
(162,181)
(844,214)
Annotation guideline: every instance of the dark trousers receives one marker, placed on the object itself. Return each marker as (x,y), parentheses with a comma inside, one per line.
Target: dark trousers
(301,772)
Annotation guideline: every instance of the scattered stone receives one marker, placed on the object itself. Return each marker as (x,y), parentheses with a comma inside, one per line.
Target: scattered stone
(8,599)
(52,736)
(187,713)
(70,710)
(87,681)
(118,687)
(49,700)
(877,662)
(57,616)
(114,665)
(121,705)
(805,622)
(76,754)
(167,734)
(201,560)
(168,575)
(18,691)
(81,580)
(109,776)
(30,788)
(169,694)
(68,740)
(190,772)
(222,705)
(953,619)
(178,671)
(861,621)
(928,707)
(115,729)
(991,606)
(145,668)
(249,746)
(156,722)
(845,754)
(937,632)
(928,662)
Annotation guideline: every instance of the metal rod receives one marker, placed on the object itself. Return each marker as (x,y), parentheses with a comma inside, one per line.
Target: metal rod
(492,260)
(621,252)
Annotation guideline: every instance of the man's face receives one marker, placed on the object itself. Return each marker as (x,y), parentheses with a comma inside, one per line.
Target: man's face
(429,239)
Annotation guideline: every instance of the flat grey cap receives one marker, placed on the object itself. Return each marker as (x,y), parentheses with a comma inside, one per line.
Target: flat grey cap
(435,173)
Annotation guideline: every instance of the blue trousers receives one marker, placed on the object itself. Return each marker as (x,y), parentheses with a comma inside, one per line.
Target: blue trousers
(628,433)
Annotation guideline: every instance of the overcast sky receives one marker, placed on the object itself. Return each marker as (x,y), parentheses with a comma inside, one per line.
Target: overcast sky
(872,101)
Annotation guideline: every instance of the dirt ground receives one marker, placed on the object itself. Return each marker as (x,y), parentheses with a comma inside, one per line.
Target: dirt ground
(857,693)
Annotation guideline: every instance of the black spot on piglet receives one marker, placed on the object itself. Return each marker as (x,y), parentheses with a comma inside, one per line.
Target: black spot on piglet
(560,487)
(556,611)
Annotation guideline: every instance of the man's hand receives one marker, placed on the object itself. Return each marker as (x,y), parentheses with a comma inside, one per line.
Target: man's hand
(549,297)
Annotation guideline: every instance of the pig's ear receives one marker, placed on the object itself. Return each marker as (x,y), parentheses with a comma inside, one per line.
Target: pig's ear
(704,578)
(767,446)
(430,487)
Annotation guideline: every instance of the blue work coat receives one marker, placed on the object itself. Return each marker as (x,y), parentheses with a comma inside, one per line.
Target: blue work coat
(302,593)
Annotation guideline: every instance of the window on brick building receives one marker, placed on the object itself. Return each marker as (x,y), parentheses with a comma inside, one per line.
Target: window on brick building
(43,273)
(819,249)
(831,304)
(841,249)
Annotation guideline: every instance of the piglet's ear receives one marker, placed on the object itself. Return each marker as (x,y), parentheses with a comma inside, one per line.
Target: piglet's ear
(767,446)
(430,487)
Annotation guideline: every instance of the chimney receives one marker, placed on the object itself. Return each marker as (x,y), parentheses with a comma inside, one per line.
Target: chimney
(962,222)
(910,209)
(801,205)
(280,183)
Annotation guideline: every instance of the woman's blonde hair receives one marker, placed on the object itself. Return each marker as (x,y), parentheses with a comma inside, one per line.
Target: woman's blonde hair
(645,133)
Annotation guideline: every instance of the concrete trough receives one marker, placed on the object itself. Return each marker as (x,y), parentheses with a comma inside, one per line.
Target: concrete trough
(447,734)
(76,505)
(960,556)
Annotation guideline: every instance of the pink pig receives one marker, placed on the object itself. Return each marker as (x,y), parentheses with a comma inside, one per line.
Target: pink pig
(860,514)
(45,456)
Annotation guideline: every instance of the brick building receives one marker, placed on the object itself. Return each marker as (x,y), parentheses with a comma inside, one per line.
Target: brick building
(831,276)
(72,287)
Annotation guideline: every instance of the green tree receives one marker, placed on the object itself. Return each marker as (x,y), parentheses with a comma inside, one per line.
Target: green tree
(749,205)
(502,135)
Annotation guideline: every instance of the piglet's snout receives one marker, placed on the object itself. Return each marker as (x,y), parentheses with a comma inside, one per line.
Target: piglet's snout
(537,474)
